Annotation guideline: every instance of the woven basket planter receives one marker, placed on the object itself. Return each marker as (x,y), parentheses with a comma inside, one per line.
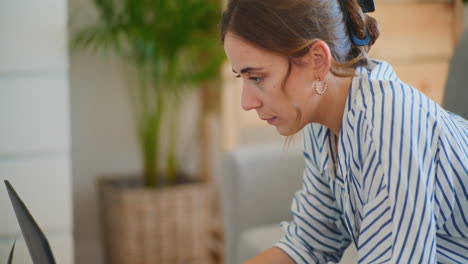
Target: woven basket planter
(155,225)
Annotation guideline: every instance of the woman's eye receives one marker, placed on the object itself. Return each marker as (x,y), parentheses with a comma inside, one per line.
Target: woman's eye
(256,79)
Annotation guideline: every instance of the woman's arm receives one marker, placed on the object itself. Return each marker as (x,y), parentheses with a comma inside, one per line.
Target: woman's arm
(272,255)
(316,233)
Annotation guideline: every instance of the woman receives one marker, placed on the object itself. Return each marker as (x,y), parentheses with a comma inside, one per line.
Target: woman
(386,167)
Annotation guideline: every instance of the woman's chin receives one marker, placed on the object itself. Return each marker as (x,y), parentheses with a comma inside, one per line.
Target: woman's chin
(282,133)
(286,131)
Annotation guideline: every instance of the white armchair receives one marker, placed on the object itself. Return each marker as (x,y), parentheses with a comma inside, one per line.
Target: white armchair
(456,90)
(257,186)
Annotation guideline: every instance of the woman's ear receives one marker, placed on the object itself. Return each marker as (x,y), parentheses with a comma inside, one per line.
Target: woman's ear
(319,58)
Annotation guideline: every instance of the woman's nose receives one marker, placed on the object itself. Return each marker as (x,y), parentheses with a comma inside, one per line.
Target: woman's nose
(249,100)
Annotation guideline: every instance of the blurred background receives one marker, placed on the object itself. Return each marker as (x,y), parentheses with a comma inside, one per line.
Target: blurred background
(122,129)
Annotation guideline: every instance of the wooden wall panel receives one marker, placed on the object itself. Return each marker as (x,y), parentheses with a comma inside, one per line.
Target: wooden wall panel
(429,78)
(414,32)
(380,2)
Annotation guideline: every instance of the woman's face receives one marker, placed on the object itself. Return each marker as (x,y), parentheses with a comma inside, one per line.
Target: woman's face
(263,73)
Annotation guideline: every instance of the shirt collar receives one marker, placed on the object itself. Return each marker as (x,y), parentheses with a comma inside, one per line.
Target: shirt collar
(339,157)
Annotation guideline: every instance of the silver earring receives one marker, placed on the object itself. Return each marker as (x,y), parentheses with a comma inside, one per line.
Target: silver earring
(317,86)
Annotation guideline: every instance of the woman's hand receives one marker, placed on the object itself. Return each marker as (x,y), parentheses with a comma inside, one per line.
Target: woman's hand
(272,255)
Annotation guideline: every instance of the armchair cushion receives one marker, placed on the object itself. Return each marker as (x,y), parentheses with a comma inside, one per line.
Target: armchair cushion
(257,186)
(256,240)
(456,90)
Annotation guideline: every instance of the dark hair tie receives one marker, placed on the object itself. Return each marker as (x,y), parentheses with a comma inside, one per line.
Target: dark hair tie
(367,6)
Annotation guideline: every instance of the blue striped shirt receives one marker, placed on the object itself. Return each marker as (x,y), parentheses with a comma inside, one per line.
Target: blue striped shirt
(394,183)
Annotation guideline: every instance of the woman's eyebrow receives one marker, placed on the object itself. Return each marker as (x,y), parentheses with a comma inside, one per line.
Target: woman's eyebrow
(248,69)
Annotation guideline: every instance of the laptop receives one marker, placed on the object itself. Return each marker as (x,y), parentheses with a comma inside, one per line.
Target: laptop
(38,246)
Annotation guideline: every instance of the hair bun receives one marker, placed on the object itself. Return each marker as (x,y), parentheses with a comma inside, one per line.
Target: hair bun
(358,22)
(373,30)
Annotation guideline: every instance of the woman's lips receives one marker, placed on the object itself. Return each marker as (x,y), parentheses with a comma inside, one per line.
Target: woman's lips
(271,120)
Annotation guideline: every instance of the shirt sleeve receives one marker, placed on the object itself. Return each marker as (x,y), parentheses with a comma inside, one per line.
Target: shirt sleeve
(316,233)
(398,223)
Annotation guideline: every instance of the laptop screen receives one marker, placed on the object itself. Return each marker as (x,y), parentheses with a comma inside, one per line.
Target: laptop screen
(37,243)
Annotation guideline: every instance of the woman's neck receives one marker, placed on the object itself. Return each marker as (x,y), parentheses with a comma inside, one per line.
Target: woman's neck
(333,102)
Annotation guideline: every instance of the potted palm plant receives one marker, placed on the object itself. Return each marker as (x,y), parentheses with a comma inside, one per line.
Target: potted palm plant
(169,48)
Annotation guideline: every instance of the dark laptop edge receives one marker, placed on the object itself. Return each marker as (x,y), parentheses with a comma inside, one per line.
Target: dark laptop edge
(21,210)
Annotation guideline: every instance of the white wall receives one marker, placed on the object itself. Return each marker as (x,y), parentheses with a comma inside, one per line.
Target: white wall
(103,142)
(103,136)
(34,121)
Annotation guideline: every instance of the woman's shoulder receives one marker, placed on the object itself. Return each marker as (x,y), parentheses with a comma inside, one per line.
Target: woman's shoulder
(387,103)
(379,76)
(379,70)
(379,91)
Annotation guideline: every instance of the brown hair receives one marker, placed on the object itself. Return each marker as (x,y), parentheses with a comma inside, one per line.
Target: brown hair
(289,27)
